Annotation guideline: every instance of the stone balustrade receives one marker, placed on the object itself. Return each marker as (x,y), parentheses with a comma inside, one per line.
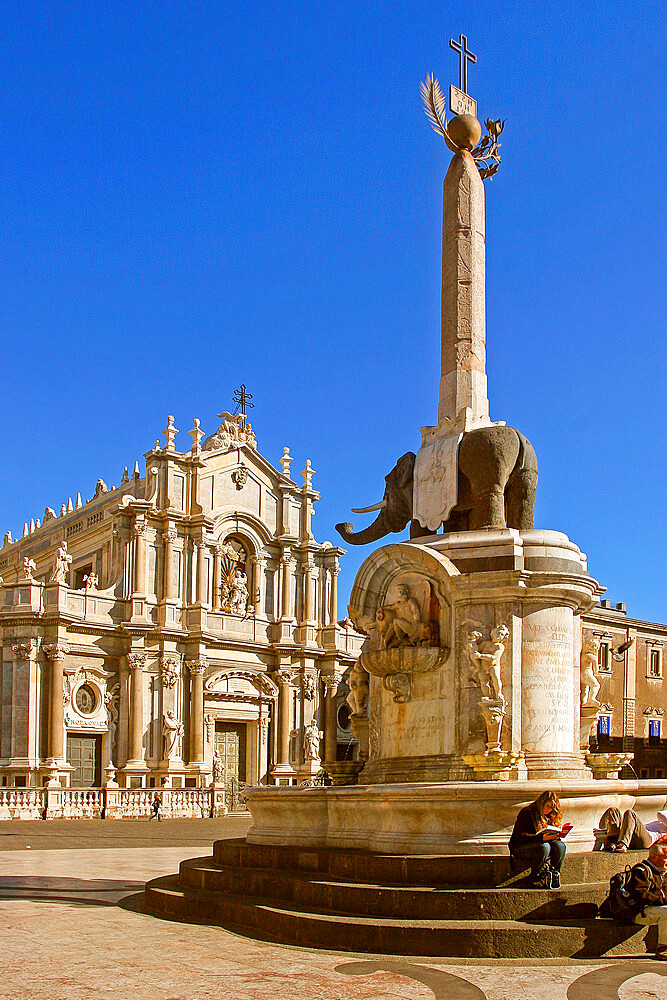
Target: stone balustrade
(22,803)
(110,803)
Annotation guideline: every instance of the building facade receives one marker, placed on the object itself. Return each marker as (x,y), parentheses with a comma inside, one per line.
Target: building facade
(178,629)
(633,690)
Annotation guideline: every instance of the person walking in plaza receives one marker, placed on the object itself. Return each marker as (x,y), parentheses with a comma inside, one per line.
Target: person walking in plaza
(156,809)
(626,832)
(536,838)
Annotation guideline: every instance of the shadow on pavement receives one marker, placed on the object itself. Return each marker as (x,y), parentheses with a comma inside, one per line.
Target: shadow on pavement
(62,889)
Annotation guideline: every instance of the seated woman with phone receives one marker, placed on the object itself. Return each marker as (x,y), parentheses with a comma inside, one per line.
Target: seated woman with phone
(537,838)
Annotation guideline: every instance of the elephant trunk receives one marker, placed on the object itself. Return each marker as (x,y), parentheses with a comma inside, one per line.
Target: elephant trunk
(378,529)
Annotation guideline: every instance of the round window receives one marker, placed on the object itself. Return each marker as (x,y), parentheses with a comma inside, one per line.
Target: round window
(344,717)
(85,699)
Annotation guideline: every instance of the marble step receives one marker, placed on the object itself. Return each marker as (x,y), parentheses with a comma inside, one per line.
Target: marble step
(319,892)
(166,897)
(462,871)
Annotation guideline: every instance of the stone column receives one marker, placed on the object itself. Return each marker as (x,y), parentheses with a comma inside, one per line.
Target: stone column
(333,595)
(201,573)
(123,713)
(463,360)
(197,668)
(168,537)
(308,612)
(217,577)
(56,653)
(137,662)
(283,678)
(287,564)
(330,721)
(140,557)
(258,583)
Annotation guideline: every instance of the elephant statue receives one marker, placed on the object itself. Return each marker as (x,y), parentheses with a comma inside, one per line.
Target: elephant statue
(496,482)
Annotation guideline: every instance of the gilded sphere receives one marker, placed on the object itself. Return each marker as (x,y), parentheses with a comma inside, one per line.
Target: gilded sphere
(464,131)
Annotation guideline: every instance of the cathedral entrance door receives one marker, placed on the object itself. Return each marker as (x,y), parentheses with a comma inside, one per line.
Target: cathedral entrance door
(84,754)
(230,746)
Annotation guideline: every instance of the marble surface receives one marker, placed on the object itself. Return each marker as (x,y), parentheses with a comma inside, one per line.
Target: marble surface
(432,818)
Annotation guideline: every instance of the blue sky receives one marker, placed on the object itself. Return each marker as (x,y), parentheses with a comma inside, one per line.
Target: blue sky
(195,195)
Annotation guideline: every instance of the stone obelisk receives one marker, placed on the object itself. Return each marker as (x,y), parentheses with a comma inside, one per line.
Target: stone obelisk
(463,401)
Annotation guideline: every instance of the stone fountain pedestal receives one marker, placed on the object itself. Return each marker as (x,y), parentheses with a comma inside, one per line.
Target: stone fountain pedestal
(498,697)
(469,690)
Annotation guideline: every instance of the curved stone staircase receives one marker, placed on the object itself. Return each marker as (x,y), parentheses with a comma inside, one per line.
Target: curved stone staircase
(448,906)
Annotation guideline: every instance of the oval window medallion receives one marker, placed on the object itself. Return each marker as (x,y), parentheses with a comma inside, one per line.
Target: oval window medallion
(85,699)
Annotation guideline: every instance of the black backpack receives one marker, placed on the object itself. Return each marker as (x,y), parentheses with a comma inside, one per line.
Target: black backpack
(622,903)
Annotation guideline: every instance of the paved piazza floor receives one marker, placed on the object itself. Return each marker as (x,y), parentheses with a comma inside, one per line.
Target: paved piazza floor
(65,938)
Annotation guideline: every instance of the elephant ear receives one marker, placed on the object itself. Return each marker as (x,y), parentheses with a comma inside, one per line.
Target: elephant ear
(405,468)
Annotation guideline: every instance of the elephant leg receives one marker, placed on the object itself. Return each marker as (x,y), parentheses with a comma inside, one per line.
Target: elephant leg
(521,490)
(486,458)
(489,509)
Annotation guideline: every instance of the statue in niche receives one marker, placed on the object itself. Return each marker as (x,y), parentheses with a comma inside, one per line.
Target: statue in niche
(400,624)
(172,731)
(62,564)
(238,595)
(311,741)
(485,656)
(218,776)
(358,685)
(590,685)
(405,624)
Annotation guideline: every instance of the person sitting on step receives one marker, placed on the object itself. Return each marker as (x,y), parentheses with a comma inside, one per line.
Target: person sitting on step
(627,832)
(530,842)
(644,896)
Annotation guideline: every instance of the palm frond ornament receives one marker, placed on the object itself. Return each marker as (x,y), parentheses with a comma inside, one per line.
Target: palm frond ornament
(486,154)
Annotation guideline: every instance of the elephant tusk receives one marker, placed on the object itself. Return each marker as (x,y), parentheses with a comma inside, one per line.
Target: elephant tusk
(367,510)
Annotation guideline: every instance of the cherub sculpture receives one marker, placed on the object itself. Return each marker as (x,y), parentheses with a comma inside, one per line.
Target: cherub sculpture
(485,656)
(29,567)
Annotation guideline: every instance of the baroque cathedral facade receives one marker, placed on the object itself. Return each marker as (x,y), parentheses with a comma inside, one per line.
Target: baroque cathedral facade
(179,628)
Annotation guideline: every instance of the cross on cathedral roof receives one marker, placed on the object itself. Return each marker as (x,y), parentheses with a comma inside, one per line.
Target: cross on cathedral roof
(242,399)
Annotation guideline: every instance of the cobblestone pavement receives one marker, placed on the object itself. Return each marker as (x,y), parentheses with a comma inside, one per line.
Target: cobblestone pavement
(65,938)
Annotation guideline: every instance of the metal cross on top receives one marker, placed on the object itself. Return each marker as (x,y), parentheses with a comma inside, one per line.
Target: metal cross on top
(242,400)
(465,56)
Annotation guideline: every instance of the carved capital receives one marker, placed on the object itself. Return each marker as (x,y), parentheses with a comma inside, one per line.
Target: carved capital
(24,650)
(137,661)
(196,667)
(55,650)
(330,685)
(283,676)
(169,536)
(139,528)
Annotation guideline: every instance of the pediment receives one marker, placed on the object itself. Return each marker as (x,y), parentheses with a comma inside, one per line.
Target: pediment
(235,682)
